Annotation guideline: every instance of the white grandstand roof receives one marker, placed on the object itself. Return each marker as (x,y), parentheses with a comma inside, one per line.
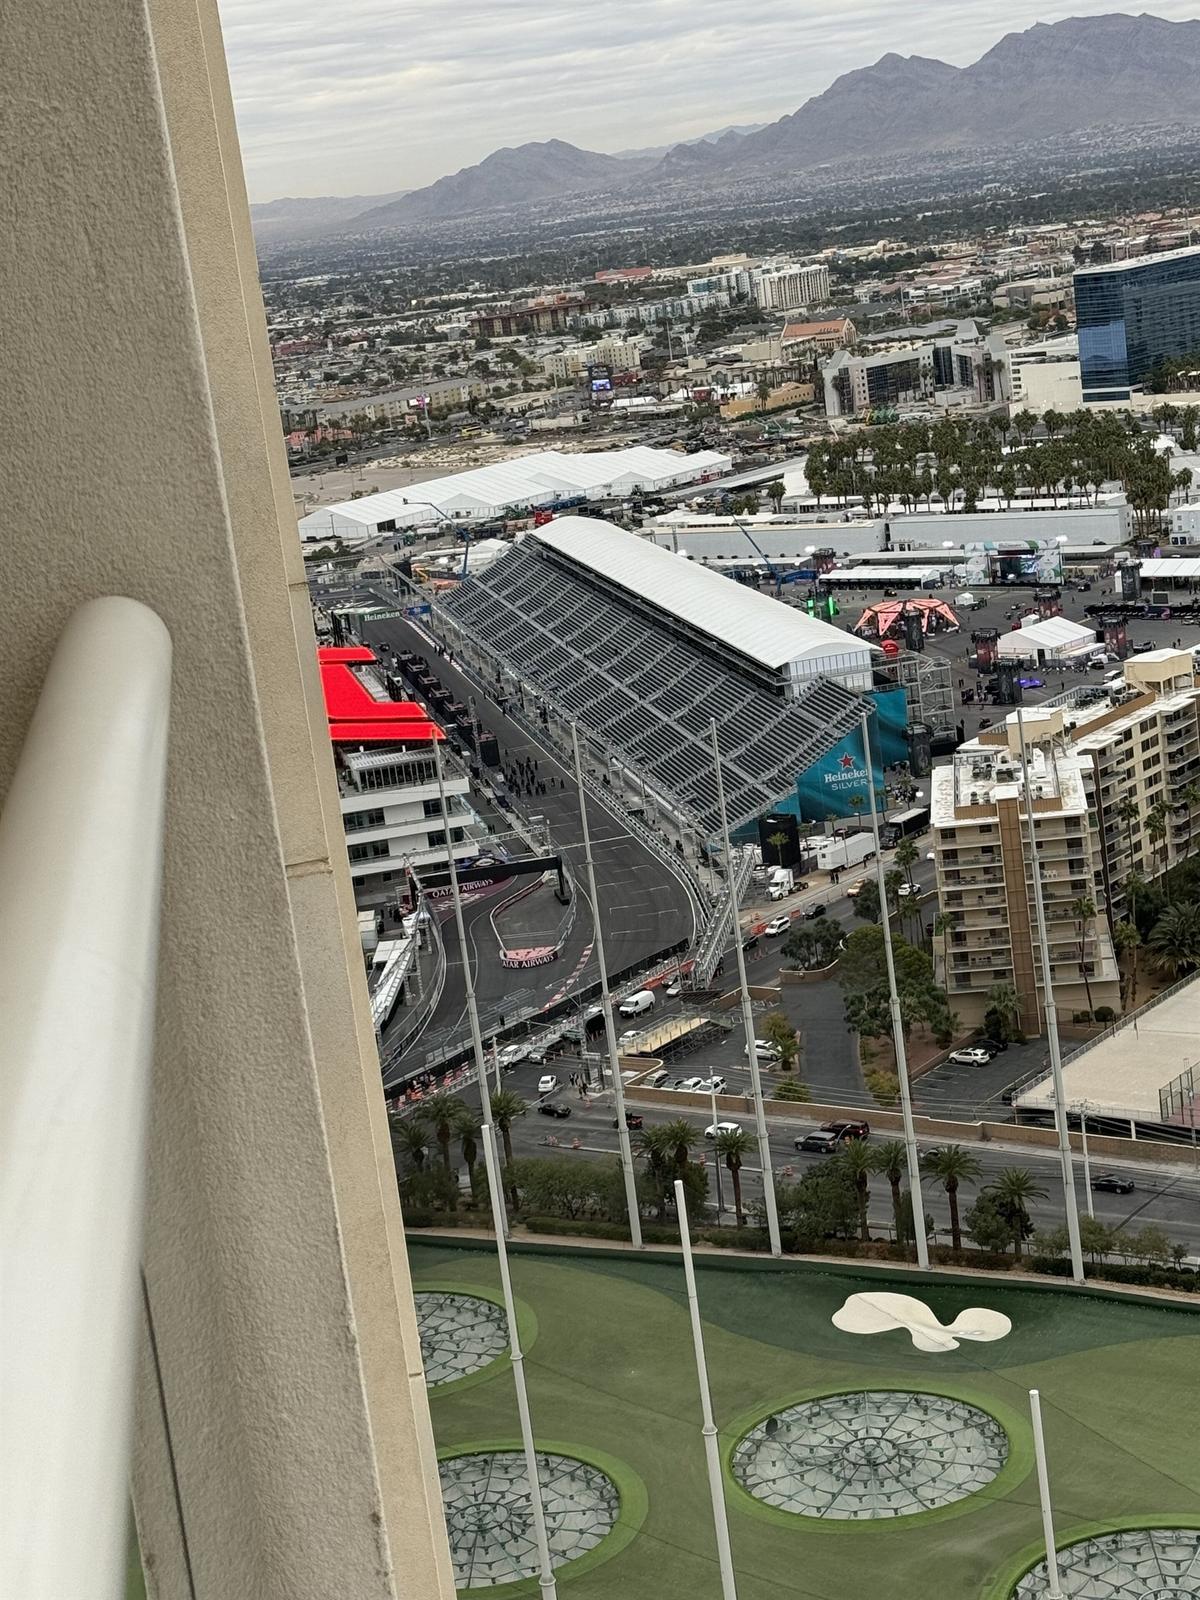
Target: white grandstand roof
(758,626)
(538,479)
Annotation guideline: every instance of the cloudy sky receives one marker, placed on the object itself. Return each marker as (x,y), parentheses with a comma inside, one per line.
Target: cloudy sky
(367,96)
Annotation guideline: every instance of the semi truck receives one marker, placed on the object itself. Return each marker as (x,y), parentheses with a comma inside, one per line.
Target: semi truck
(843,850)
(905,825)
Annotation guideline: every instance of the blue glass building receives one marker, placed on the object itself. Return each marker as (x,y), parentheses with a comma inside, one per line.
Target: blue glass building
(1133,314)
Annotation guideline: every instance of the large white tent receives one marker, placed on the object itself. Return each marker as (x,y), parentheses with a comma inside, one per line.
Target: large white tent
(1054,636)
(541,480)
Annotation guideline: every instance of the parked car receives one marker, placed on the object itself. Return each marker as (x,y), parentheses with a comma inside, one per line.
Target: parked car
(823,1144)
(713,1085)
(547,1083)
(632,1120)
(688,1083)
(994,1047)
(765,1050)
(973,1056)
(1110,1183)
(554,1108)
(778,925)
(715,1129)
(658,1080)
(854,1129)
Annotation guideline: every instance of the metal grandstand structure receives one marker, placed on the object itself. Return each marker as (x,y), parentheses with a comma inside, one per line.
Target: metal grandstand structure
(644,692)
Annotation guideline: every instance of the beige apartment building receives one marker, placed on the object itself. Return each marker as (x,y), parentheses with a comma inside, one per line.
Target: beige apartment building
(1113,789)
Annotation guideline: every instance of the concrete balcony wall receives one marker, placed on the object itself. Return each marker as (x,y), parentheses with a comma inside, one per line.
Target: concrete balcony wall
(282,1445)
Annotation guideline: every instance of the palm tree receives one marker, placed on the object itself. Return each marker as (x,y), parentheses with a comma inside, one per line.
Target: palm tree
(440,1112)
(1083,909)
(777,842)
(952,1165)
(858,1160)
(1126,940)
(506,1108)
(1126,811)
(1174,942)
(657,1145)
(1156,831)
(905,858)
(1003,997)
(409,1140)
(943,925)
(891,1160)
(1012,1190)
(680,1138)
(733,1144)
(466,1126)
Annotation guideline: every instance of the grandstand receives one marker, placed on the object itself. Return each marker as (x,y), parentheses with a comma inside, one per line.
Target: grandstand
(643,650)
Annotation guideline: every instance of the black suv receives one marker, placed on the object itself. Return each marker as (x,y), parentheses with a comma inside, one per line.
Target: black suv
(847,1130)
(992,1046)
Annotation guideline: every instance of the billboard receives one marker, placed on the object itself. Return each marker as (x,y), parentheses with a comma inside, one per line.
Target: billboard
(600,381)
(839,784)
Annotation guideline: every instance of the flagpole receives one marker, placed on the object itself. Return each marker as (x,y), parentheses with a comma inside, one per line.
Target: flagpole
(912,1154)
(760,1115)
(610,1028)
(499,1214)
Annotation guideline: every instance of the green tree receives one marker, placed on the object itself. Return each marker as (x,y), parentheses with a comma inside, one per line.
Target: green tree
(906,857)
(1004,999)
(775,493)
(466,1126)
(440,1112)
(1174,943)
(1126,940)
(1012,1191)
(858,1159)
(763,390)
(792,1089)
(866,901)
(1083,912)
(506,1108)
(777,841)
(891,1160)
(410,1142)
(779,1030)
(1095,1239)
(731,1146)
(952,1166)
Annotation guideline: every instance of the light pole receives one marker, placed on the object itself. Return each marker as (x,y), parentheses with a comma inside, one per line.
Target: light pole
(712,1454)
(1053,1583)
(1084,1107)
(499,1220)
(716,1154)
(1060,1105)
(912,1154)
(610,1029)
(760,1115)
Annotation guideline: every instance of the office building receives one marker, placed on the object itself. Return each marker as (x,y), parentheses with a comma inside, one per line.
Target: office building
(1131,315)
(387,779)
(1045,376)
(1114,791)
(913,371)
(788,288)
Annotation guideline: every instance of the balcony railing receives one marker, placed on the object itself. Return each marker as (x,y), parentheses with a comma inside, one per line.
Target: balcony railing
(80,874)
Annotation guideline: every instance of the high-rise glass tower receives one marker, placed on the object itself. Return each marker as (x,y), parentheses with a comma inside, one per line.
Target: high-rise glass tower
(1131,315)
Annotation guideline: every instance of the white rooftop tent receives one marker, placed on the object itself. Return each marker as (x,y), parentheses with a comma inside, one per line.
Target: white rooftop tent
(541,479)
(1055,636)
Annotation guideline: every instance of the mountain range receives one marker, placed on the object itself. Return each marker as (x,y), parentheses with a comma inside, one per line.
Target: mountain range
(1053,79)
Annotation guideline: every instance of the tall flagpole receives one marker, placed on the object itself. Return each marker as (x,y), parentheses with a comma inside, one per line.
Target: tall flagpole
(906,1112)
(1053,1582)
(610,1028)
(499,1215)
(1066,1160)
(712,1453)
(760,1115)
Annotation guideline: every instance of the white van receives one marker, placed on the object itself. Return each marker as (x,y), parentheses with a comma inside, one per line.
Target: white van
(643,1000)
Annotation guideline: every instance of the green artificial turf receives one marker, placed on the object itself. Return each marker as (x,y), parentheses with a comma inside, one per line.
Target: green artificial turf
(611,1373)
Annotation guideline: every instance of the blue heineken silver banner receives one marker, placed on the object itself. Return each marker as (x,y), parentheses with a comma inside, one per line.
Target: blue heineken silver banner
(839,784)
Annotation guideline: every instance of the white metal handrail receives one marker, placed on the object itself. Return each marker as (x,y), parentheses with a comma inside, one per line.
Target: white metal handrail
(80,876)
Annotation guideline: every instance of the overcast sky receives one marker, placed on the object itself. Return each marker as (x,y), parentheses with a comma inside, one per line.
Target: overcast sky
(367,96)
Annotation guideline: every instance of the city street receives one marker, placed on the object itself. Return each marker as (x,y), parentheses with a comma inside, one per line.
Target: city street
(1164,1196)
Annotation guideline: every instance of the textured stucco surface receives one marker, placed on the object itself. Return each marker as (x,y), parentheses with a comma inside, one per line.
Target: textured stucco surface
(136,375)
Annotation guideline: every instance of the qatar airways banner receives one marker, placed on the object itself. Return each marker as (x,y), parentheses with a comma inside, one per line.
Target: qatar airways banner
(539,957)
